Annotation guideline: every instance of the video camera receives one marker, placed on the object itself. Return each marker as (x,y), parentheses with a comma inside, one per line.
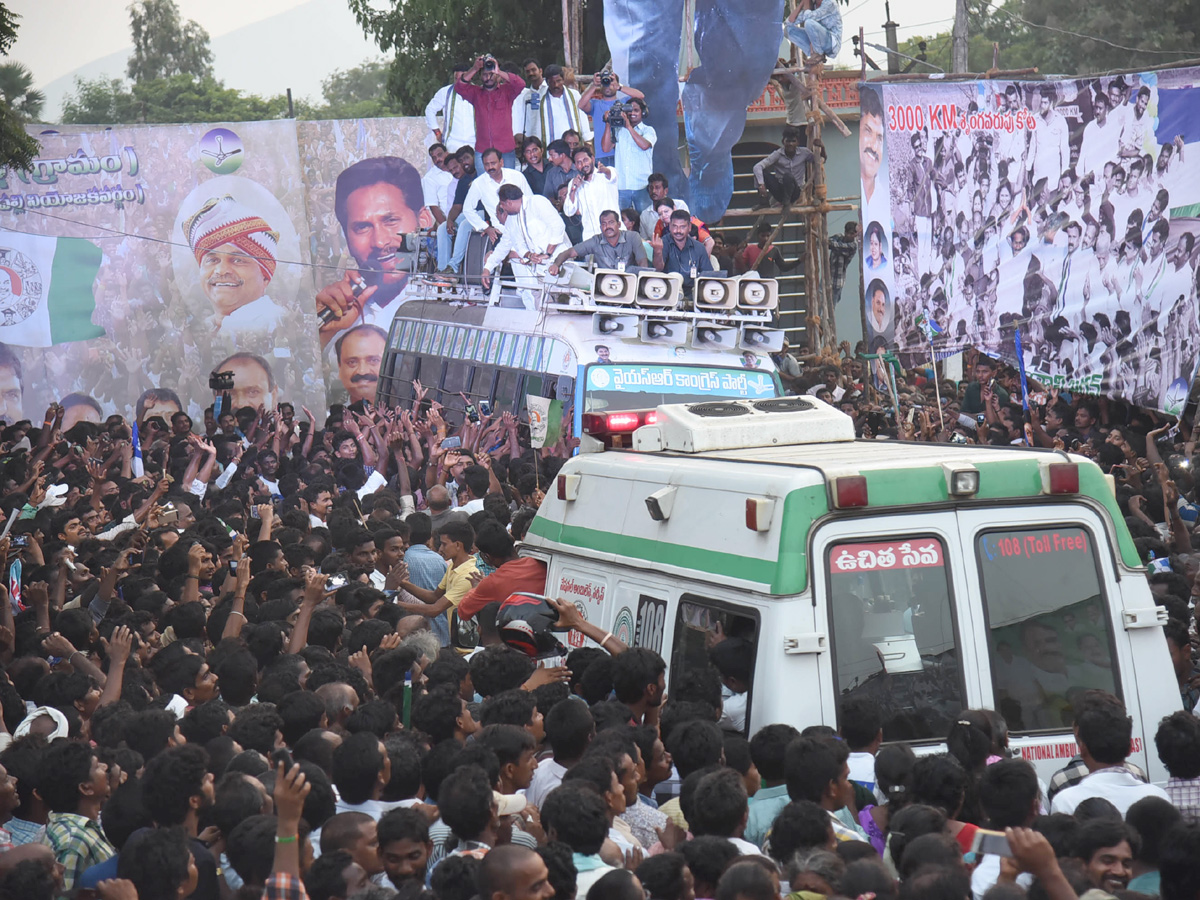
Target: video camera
(614,116)
(220,381)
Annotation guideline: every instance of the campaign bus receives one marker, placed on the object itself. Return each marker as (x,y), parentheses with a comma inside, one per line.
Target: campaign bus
(611,345)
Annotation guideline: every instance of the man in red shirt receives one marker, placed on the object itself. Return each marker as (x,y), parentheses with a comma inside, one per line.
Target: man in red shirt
(493,101)
(513,573)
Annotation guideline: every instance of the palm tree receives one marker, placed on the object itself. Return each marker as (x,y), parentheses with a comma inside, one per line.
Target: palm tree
(17,92)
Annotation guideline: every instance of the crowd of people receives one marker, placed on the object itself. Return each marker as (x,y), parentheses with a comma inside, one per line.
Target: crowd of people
(259,656)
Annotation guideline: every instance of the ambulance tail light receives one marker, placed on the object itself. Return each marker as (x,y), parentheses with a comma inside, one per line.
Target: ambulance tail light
(568,486)
(623,421)
(850,491)
(1060,478)
(612,428)
(758,513)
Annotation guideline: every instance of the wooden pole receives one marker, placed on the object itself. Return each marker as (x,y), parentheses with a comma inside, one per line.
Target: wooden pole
(958,47)
(566,33)
(816,244)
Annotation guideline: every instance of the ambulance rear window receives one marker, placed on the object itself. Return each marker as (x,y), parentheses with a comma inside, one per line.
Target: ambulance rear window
(894,634)
(1050,636)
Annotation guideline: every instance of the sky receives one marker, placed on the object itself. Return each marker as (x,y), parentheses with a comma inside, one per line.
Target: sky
(60,38)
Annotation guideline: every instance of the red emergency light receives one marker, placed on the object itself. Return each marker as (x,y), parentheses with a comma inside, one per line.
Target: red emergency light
(850,491)
(1062,478)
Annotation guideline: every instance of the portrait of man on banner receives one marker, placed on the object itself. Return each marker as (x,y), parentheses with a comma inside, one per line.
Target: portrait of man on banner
(379,205)
(236,251)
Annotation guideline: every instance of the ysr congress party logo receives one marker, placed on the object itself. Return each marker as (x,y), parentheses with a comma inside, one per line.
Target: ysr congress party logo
(1176,397)
(221,151)
(20,287)
(599,378)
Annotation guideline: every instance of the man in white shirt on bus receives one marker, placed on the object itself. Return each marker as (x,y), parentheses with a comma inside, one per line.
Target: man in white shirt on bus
(451,119)
(591,192)
(434,182)
(557,111)
(533,233)
(526,109)
(485,192)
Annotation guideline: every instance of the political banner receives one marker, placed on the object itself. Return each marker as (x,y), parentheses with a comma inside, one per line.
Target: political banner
(1067,210)
(136,260)
(365,201)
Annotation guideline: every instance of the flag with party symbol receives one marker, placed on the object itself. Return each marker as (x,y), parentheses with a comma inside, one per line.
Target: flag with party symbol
(46,289)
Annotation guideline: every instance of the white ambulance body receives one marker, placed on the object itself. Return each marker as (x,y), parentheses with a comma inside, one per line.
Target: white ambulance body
(932,578)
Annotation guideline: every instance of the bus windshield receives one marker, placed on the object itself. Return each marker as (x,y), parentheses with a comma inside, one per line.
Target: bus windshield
(612,387)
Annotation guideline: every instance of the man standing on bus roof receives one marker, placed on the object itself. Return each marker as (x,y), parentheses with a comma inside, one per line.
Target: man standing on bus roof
(377,201)
(532,232)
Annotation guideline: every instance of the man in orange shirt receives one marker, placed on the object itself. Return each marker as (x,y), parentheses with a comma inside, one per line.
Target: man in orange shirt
(513,573)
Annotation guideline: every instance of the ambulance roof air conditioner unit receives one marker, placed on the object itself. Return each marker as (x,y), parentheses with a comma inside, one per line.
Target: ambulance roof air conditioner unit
(735,424)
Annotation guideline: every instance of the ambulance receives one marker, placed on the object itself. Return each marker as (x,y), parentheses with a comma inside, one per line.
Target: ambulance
(932,578)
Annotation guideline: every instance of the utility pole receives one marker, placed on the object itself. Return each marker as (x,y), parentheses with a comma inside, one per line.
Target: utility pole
(893,45)
(958,46)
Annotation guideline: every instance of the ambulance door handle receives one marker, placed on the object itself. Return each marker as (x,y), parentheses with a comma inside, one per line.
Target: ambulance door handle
(801,644)
(1144,618)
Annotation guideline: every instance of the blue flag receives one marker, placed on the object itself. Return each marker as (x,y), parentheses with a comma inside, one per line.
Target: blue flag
(138,467)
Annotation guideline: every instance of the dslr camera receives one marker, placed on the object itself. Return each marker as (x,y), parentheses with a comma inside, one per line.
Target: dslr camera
(489,63)
(606,77)
(220,381)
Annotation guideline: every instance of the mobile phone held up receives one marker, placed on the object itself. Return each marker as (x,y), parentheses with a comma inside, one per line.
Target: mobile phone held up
(994,843)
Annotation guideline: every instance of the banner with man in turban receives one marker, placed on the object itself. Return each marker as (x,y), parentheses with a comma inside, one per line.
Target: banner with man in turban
(144,258)
(236,250)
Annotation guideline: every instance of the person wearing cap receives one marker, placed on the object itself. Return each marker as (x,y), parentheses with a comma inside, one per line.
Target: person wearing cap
(236,252)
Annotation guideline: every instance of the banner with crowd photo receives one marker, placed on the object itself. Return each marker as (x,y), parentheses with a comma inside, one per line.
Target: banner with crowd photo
(136,260)
(1065,210)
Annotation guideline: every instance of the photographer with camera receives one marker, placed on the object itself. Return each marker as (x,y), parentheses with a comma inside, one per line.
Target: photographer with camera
(633,140)
(605,90)
(493,102)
